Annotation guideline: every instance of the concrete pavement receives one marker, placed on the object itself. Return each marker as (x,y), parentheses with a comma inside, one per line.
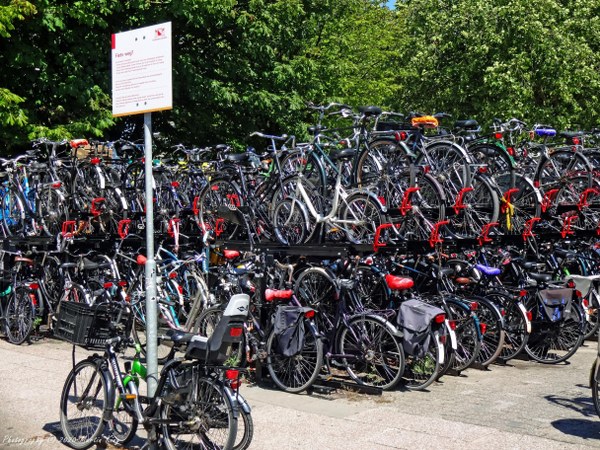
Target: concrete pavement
(521,406)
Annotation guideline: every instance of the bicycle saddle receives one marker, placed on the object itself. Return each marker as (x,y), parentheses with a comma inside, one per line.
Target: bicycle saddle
(466,124)
(487,270)
(369,110)
(347,153)
(396,283)
(570,134)
(540,277)
(24,260)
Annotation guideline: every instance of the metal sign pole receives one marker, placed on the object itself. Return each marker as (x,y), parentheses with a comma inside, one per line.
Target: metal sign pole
(151,301)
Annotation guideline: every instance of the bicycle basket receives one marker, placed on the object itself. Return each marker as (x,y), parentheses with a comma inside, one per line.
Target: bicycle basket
(89,326)
(556,302)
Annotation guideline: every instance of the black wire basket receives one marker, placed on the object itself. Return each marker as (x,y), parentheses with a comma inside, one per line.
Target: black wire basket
(90,326)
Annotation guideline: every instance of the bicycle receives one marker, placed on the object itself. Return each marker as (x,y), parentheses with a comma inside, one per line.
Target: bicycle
(195,402)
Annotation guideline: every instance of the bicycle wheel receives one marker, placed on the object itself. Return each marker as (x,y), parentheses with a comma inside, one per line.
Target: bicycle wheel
(371,288)
(20,314)
(307,163)
(123,424)
(83,402)
(204,420)
(290,221)
(427,208)
(517,208)
(555,342)
(296,373)
(13,214)
(467,336)
(493,338)
(372,354)
(53,210)
(592,323)
(421,371)
(480,207)
(380,157)
(361,216)
(515,327)
(316,288)
(218,197)
(245,431)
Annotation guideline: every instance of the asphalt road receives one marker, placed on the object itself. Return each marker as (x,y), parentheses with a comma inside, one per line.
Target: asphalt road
(522,405)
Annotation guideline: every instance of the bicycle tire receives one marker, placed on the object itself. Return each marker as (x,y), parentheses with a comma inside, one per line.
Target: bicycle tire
(421,371)
(20,314)
(515,327)
(53,211)
(296,373)
(220,193)
(13,214)
(85,390)
(123,425)
(210,410)
(290,222)
(375,356)
(467,336)
(366,212)
(245,431)
(493,339)
(481,207)
(549,338)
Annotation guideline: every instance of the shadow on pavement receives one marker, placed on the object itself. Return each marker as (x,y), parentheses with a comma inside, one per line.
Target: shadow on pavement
(583,428)
(582,405)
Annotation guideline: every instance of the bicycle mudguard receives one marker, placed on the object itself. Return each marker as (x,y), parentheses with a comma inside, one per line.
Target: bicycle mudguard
(391,327)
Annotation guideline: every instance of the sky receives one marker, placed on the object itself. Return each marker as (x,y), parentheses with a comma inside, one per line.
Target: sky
(391,3)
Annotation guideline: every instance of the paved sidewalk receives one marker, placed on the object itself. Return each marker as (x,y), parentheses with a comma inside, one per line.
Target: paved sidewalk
(524,405)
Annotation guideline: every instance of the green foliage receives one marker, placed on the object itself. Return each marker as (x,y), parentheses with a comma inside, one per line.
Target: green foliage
(246,65)
(535,60)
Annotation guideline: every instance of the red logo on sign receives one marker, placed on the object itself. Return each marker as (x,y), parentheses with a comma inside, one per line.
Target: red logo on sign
(159,32)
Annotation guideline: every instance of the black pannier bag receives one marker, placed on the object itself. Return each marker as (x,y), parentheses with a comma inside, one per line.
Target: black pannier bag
(414,318)
(557,302)
(289,329)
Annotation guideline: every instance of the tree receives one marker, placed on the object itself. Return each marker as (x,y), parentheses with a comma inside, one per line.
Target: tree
(533,60)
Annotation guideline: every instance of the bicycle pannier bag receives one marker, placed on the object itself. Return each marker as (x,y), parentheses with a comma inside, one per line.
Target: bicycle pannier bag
(414,318)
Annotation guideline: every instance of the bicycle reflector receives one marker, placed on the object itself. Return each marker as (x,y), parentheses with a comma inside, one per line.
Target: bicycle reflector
(235,331)
(529,315)
(473,306)
(234,378)
(34,286)
(56,185)
(108,285)
(498,135)
(452,324)
(440,318)
(309,314)
(483,327)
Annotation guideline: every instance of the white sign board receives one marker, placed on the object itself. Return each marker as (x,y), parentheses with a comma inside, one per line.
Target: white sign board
(142,70)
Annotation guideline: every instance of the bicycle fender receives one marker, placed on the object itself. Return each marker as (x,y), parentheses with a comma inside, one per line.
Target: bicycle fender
(441,352)
(527,321)
(390,326)
(370,194)
(242,403)
(231,396)
(452,334)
